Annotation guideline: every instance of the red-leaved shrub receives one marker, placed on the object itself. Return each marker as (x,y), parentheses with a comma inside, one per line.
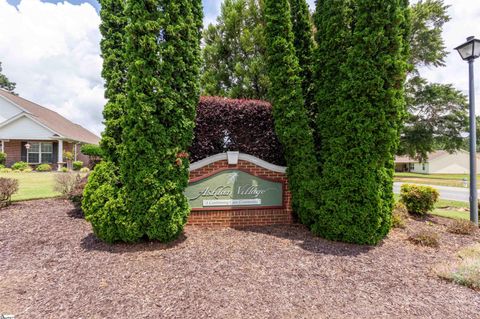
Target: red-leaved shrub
(235,125)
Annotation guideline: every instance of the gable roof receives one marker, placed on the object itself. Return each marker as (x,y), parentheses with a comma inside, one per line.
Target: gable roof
(52,120)
(431,157)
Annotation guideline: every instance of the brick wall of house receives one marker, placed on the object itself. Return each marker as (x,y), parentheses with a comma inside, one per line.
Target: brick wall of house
(14,152)
(243,217)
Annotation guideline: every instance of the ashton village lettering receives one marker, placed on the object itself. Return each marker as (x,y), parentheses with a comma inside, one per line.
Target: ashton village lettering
(234,188)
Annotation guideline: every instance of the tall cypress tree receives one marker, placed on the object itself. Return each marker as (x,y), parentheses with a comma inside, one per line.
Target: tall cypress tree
(302,29)
(291,120)
(112,45)
(163,48)
(361,59)
(145,200)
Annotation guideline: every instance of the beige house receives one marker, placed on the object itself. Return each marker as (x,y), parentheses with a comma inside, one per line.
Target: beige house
(34,134)
(439,162)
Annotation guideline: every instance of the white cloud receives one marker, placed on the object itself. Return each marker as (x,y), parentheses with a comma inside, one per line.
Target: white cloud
(52,52)
(465,22)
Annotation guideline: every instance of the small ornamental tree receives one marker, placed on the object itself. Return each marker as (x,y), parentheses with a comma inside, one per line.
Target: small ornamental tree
(361,61)
(291,121)
(144,199)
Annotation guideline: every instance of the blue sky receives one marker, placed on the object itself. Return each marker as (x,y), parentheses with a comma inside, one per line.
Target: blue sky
(50,48)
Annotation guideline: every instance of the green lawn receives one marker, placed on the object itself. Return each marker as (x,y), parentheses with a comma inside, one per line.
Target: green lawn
(452,209)
(449,209)
(455,180)
(33,185)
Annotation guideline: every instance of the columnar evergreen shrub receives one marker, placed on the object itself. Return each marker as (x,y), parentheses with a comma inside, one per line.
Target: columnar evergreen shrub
(141,195)
(112,28)
(302,29)
(361,66)
(291,120)
(235,125)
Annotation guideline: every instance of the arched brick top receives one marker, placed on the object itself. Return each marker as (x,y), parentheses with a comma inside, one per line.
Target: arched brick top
(241,157)
(240,217)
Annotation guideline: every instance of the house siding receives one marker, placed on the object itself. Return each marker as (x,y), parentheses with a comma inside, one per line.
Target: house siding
(25,128)
(457,163)
(7,110)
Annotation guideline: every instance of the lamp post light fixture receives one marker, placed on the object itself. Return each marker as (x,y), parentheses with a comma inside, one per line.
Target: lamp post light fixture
(469,51)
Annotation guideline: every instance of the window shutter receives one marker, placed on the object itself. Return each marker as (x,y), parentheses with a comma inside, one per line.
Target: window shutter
(55,152)
(23,152)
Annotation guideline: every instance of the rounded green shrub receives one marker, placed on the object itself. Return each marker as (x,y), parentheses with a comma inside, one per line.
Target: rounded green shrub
(419,200)
(84,170)
(3,158)
(103,205)
(64,170)
(20,166)
(43,168)
(77,165)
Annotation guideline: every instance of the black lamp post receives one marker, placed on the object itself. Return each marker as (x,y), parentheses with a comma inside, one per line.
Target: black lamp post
(469,51)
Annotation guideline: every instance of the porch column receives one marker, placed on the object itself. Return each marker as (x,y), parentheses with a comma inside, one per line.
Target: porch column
(60,154)
(2,146)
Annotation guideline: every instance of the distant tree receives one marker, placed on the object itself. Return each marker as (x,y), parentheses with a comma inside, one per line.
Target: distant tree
(291,119)
(5,83)
(234,52)
(437,119)
(437,113)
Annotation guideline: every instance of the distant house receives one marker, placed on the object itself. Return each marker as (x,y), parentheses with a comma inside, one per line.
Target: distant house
(439,162)
(34,134)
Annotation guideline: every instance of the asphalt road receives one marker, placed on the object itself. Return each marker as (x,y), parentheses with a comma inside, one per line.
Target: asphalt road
(450,193)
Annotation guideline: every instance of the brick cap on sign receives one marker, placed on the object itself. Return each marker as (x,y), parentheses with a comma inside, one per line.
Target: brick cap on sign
(242,157)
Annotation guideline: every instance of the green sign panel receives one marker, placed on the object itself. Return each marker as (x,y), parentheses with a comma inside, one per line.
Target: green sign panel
(234,188)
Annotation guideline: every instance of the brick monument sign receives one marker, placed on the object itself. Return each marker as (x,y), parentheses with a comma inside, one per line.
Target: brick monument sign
(234,190)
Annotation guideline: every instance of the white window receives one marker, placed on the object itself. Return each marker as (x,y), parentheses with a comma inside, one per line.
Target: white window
(40,152)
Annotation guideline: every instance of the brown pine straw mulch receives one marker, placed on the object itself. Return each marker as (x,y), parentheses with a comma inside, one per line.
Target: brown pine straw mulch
(52,266)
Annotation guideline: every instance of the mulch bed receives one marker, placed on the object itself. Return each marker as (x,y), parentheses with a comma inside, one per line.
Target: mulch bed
(52,266)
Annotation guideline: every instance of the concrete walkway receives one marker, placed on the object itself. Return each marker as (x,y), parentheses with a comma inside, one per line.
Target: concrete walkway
(450,193)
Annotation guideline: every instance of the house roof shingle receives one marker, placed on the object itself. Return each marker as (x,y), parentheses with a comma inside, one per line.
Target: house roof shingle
(53,120)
